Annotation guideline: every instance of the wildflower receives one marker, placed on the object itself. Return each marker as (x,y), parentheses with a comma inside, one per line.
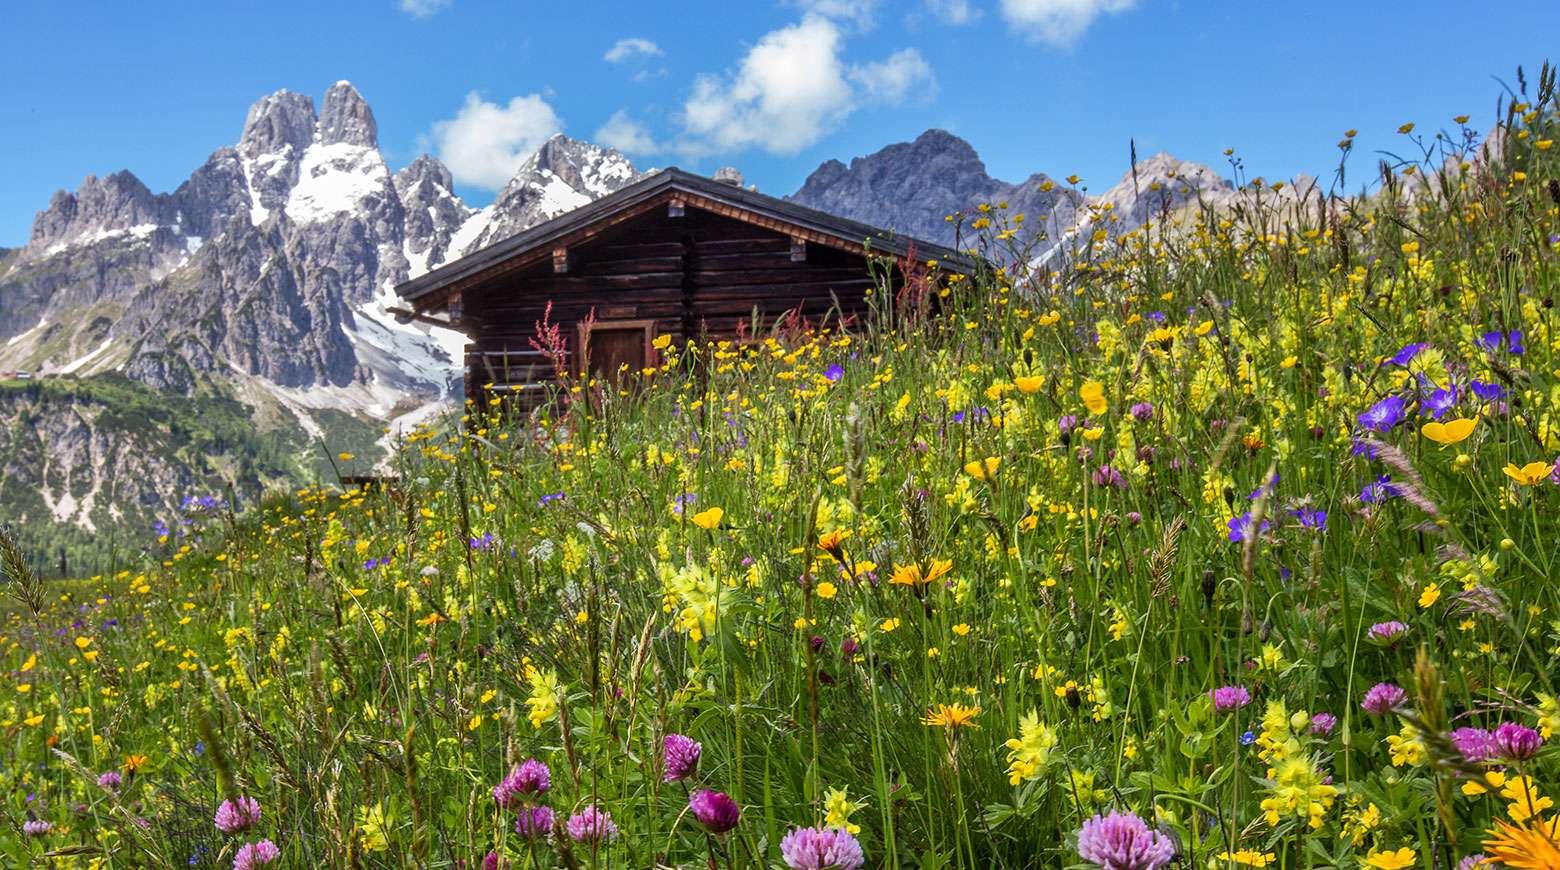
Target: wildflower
(834,373)
(715,810)
(1249,857)
(110,781)
(1092,394)
(1383,415)
(1474,744)
(1486,392)
(491,862)
(837,807)
(1028,384)
(820,848)
(592,825)
(1526,801)
(1382,699)
(36,828)
(833,543)
(681,757)
(1142,411)
(1429,595)
(375,825)
(133,763)
(1407,354)
(1386,633)
(1029,754)
(1122,841)
(1398,860)
(236,818)
(1108,477)
(1450,432)
(1524,846)
(1380,490)
(524,780)
(1531,474)
(951,716)
(1438,402)
(983,469)
(1228,699)
(1405,746)
(535,822)
(826,590)
(1515,742)
(544,698)
(915,575)
(1298,789)
(1240,527)
(1323,724)
(1494,341)
(1310,519)
(253,856)
(708,519)
(1473,862)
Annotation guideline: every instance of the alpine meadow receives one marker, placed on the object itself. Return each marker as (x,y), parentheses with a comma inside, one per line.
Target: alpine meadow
(1227,540)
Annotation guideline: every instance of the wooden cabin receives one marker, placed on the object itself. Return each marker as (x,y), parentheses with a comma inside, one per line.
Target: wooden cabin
(673,254)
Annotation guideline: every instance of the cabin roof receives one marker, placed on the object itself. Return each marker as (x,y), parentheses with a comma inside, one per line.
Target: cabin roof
(586,221)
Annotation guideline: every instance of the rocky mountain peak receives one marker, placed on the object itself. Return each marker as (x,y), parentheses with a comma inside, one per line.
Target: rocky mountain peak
(277,121)
(423,170)
(562,175)
(345,117)
(100,206)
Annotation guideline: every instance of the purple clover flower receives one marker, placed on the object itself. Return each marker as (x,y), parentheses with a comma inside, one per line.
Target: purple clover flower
(1322,724)
(1516,742)
(1387,632)
(1142,411)
(236,818)
(535,822)
(1122,841)
(36,827)
(1474,744)
(818,848)
(253,856)
(110,781)
(1382,699)
(524,780)
(592,825)
(682,757)
(1228,699)
(715,810)
(1109,478)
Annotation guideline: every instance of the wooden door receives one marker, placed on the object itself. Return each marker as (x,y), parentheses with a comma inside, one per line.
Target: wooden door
(617,348)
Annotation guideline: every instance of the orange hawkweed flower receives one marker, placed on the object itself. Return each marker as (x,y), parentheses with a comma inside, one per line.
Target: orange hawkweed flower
(914,575)
(833,543)
(134,763)
(1528,846)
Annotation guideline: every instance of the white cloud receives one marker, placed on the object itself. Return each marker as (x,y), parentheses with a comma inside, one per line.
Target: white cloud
(485,143)
(1059,22)
(791,90)
(904,77)
(626,135)
(422,8)
(862,12)
(953,12)
(625,49)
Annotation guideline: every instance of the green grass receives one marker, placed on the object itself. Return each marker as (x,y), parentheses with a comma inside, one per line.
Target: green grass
(574,586)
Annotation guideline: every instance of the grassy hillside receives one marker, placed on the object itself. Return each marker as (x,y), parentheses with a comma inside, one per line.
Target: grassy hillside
(88,465)
(1241,534)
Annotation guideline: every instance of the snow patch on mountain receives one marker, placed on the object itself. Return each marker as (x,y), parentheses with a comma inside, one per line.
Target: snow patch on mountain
(335,179)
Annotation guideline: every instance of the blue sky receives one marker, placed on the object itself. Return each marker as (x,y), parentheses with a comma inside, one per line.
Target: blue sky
(774,88)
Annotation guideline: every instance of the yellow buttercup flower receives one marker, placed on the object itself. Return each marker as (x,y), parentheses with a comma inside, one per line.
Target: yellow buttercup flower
(1450,432)
(983,469)
(708,519)
(1092,394)
(1398,860)
(1028,384)
(1530,474)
